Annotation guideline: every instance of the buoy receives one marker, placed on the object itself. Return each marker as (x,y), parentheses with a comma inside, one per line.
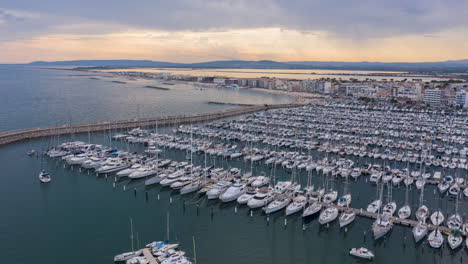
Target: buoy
(113,185)
(303,227)
(124,188)
(235,209)
(251,213)
(170,199)
(97,174)
(285,222)
(346,230)
(158,196)
(88,172)
(79,169)
(105,176)
(64,166)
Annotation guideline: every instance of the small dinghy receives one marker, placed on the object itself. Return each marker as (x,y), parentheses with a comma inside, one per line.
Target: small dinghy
(363,253)
(44,177)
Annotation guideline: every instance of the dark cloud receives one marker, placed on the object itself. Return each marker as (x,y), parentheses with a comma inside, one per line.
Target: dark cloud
(357,19)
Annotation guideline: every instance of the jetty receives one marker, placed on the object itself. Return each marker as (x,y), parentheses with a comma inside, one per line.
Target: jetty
(394,219)
(157,88)
(149,256)
(39,132)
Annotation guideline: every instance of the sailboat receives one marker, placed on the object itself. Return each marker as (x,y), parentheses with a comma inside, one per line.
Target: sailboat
(435,238)
(382,225)
(405,210)
(128,255)
(347,216)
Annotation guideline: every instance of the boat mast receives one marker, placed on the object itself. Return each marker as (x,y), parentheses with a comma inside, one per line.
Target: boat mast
(131,232)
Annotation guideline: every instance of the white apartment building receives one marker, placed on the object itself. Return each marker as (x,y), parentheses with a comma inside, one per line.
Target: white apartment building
(433,97)
(462,99)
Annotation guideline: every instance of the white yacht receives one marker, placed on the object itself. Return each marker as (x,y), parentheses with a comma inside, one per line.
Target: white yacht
(128,171)
(249,194)
(263,197)
(112,165)
(233,192)
(173,177)
(389,209)
(422,213)
(217,189)
(142,172)
(260,181)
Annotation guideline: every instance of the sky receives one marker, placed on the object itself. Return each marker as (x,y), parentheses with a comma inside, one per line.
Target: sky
(206,30)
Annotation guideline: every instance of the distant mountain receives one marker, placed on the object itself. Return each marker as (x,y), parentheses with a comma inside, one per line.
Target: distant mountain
(105,63)
(447,66)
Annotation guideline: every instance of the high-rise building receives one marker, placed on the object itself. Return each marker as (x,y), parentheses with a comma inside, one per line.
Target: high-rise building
(433,97)
(462,99)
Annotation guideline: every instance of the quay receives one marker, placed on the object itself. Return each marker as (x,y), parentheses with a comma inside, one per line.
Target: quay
(394,219)
(38,132)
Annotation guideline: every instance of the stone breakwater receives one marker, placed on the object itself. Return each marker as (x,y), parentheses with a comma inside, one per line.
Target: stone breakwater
(38,132)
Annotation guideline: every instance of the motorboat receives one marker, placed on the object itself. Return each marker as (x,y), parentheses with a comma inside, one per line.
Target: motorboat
(143,171)
(128,171)
(263,197)
(233,192)
(217,189)
(112,165)
(44,177)
(455,222)
(363,253)
(260,181)
(249,194)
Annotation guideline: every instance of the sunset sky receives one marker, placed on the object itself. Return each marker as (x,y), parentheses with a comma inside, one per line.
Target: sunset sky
(197,30)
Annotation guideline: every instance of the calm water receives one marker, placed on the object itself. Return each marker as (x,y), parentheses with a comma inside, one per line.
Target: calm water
(39,97)
(81,218)
(288,74)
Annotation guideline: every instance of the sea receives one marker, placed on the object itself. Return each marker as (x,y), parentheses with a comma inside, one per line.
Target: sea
(83,218)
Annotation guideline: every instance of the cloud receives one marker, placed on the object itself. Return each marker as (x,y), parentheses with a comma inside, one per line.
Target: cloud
(357,19)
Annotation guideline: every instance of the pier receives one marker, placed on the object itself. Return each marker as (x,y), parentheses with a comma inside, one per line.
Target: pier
(38,132)
(394,219)
(149,256)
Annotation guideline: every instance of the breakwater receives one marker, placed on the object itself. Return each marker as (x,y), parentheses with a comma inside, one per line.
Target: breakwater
(38,132)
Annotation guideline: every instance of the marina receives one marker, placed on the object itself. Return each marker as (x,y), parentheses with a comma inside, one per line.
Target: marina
(308,160)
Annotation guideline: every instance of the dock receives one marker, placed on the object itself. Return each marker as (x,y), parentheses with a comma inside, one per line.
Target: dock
(147,254)
(39,132)
(394,219)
